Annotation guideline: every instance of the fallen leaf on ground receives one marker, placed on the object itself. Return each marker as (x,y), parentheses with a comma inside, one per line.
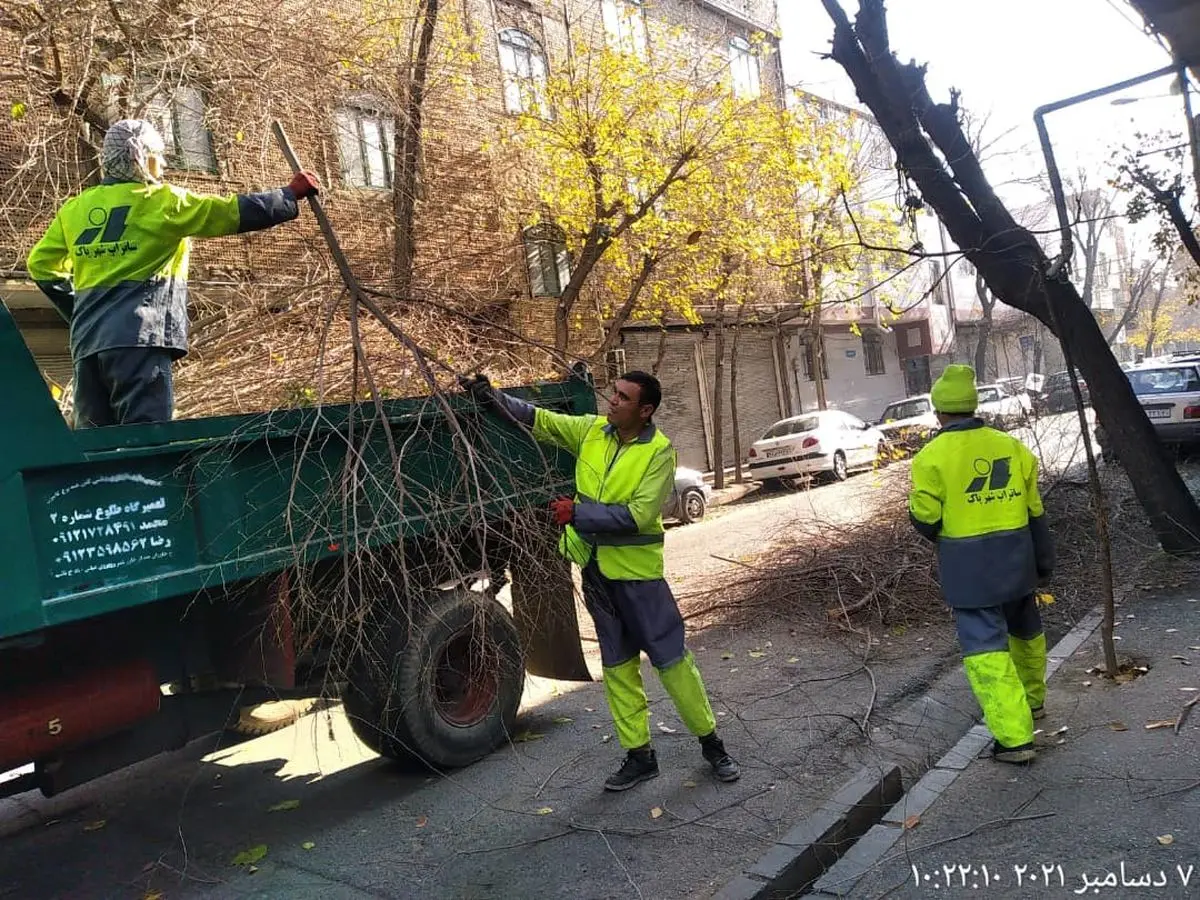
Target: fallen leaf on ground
(588,709)
(251,856)
(726,655)
(689,784)
(1087,684)
(563,720)
(1166,839)
(95,826)
(1164,723)
(606,739)
(526,736)
(252,869)
(1118,726)
(793,659)
(665,729)
(1189,690)
(656,813)
(912,822)
(757,654)
(1177,656)
(1172,630)
(307,845)
(1062,730)
(285,806)
(545,811)
(734,669)
(422,821)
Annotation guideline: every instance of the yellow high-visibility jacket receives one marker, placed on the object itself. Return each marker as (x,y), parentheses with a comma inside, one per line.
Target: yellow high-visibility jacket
(115,259)
(975,492)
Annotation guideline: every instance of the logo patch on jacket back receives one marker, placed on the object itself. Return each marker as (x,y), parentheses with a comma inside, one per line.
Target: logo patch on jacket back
(992,480)
(107,227)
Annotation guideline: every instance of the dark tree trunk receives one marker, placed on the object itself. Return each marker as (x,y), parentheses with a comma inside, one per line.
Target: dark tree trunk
(621,316)
(1013,264)
(406,179)
(662,349)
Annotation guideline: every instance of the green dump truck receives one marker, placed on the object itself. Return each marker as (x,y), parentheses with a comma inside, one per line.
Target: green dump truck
(156,579)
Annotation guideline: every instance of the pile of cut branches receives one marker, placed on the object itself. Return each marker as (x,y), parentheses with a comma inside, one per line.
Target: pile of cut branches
(878,572)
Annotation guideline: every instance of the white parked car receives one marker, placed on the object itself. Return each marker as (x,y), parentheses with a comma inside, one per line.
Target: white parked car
(689,499)
(1170,395)
(999,408)
(829,441)
(909,423)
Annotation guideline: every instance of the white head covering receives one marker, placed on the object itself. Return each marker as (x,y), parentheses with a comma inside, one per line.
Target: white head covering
(128,145)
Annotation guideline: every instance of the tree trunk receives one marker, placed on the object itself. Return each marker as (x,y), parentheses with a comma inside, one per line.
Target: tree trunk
(738,475)
(718,396)
(986,304)
(621,316)
(662,348)
(1016,269)
(818,338)
(406,179)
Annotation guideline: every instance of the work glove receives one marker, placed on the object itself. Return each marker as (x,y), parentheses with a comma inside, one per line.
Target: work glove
(480,389)
(563,510)
(304,184)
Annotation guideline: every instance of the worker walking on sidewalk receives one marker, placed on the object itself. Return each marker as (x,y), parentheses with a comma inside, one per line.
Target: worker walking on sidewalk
(975,492)
(612,529)
(114,262)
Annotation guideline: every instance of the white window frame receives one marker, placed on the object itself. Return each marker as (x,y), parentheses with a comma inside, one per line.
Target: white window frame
(366,139)
(178,114)
(523,69)
(547,260)
(625,27)
(744,69)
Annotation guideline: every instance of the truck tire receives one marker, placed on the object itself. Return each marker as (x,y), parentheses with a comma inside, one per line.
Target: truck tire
(442,689)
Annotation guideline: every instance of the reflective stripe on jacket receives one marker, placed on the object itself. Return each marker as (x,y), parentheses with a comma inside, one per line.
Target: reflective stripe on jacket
(975,491)
(115,259)
(620,490)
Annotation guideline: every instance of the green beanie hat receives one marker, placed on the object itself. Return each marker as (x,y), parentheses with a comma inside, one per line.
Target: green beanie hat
(955,392)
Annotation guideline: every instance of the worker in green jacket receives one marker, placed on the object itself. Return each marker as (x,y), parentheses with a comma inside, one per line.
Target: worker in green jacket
(975,492)
(114,262)
(612,529)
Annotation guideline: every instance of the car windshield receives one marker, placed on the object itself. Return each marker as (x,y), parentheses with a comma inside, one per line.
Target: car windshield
(988,395)
(786,427)
(909,409)
(1176,380)
(1059,381)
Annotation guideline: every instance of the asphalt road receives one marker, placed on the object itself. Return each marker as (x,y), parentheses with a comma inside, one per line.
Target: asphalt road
(327,820)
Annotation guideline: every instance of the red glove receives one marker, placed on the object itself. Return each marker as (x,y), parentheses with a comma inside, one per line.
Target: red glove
(303,184)
(563,510)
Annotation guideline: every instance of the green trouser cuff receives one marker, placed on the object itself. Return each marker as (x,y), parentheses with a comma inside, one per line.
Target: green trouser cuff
(683,682)
(1029,657)
(627,702)
(1001,694)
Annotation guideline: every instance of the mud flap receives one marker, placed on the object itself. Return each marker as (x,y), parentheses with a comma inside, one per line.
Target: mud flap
(543,599)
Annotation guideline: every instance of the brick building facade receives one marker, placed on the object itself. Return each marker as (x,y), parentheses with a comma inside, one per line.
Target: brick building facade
(335,92)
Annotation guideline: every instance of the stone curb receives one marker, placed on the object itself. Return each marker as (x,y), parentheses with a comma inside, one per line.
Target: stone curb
(802,855)
(842,878)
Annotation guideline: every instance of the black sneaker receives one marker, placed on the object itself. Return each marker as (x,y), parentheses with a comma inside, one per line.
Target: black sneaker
(1039,712)
(1017,755)
(722,763)
(640,765)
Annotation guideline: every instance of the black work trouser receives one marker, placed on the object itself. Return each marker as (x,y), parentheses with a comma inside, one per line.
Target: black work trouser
(125,386)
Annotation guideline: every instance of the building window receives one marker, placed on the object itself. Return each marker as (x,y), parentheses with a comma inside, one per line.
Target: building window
(873,354)
(743,66)
(524,68)
(625,26)
(365,140)
(178,114)
(810,362)
(547,259)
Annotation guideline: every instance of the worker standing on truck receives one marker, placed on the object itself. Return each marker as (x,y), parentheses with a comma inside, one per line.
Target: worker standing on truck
(114,262)
(612,529)
(975,492)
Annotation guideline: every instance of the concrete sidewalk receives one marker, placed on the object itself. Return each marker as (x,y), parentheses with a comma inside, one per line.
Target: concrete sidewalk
(1109,806)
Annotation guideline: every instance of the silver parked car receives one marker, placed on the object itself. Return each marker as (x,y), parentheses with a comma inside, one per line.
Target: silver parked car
(690,498)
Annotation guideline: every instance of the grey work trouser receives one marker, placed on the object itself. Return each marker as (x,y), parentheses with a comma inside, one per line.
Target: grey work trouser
(124,386)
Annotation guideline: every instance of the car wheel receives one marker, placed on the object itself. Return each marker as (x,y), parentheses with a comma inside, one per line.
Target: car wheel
(692,506)
(840,470)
